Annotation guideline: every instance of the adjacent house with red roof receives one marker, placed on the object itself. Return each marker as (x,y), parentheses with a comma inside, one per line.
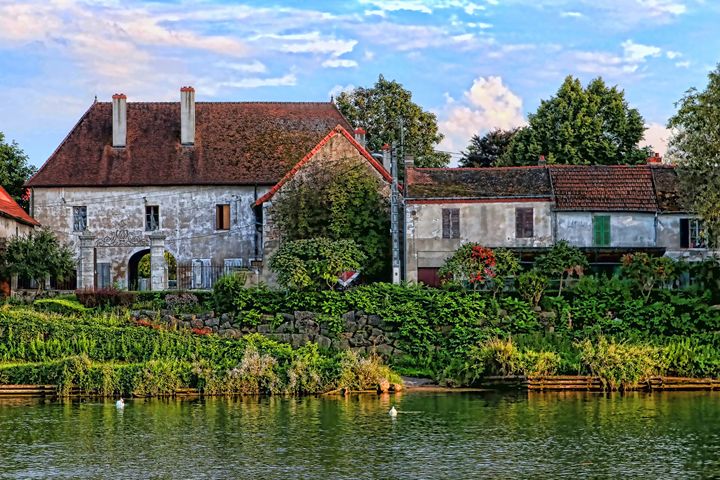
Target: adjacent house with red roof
(138,178)
(14,221)
(605,210)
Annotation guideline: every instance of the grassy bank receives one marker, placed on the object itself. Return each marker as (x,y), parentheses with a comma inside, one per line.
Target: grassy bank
(106,354)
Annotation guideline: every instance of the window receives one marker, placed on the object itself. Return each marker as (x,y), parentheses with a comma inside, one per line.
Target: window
(103,277)
(232,265)
(152,218)
(691,233)
(79,219)
(524,223)
(451,223)
(222,217)
(601,230)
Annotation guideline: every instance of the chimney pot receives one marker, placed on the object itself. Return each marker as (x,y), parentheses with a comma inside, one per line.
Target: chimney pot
(386,147)
(541,160)
(409,161)
(119,120)
(187,116)
(360,136)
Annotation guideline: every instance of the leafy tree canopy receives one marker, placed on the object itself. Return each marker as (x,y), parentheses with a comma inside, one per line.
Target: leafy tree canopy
(14,170)
(562,260)
(695,148)
(36,255)
(486,151)
(581,126)
(315,263)
(339,201)
(379,109)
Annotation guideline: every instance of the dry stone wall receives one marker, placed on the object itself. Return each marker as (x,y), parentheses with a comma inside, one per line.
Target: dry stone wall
(357,331)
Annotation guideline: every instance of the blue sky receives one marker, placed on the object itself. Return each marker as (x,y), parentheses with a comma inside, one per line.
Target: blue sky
(477,64)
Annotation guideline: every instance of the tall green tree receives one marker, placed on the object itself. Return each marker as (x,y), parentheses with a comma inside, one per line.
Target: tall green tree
(486,151)
(37,255)
(340,201)
(695,148)
(379,110)
(581,126)
(14,170)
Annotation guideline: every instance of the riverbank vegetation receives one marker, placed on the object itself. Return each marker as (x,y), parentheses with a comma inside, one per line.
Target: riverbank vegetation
(105,353)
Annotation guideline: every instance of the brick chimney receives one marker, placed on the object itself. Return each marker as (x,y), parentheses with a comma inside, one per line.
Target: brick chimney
(386,157)
(409,161)
(119,120)
(654,158)
(187,116)
(541,160)
(360,136)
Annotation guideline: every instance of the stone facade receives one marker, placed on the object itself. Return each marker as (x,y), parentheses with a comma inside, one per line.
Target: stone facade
(116,218)
(492,224)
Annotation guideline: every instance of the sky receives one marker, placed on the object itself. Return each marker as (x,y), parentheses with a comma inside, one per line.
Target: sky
(476,64)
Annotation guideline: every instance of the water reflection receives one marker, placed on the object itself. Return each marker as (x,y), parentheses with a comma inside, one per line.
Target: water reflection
(435,435)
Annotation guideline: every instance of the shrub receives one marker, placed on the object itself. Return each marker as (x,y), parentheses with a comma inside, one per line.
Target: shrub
(59,305)
(562,260)
(315,263)
(104,297)
(532,286)
(226,290)
(181,301)
(622,365)
(364,373)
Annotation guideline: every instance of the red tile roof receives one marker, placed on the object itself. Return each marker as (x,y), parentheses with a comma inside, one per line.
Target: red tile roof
(236,143)
(667,191)
(603,188)
(339,130)
(478,183)
(10,208)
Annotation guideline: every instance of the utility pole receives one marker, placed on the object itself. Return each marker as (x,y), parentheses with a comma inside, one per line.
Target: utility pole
(394,220)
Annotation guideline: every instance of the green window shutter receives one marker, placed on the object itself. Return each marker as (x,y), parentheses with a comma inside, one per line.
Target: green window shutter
(601,230)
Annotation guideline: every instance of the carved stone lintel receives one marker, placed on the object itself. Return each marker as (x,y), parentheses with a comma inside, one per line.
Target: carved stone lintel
(123,238)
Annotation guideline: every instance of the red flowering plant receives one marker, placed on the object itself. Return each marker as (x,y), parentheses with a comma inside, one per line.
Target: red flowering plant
(474,265)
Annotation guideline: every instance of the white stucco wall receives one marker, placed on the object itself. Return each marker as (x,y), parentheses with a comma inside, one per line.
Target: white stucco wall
(491,224)
(9,227)
(626,229)
(187,218)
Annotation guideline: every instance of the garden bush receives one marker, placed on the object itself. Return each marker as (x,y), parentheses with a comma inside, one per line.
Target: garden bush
(104,297)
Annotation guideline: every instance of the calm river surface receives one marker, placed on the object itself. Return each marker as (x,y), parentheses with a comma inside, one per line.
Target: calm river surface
(435,435)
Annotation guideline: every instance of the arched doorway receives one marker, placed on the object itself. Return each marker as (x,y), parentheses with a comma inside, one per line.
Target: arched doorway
(139,270)
(133,269)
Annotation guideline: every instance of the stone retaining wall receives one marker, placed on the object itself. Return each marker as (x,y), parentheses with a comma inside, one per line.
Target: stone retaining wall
(358,332)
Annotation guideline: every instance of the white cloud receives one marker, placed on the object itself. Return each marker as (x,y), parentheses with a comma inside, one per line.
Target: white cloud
(671,54)
(656,136)
(339,63)
(252,67)
(637,52)
(488,104)
(254,82)
(683,64)
(571,14)
(338,89)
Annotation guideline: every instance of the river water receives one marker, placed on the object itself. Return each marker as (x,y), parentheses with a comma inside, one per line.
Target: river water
(435,435)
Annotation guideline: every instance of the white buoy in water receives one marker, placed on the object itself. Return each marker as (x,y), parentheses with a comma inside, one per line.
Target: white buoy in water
(393,412)
(120,403)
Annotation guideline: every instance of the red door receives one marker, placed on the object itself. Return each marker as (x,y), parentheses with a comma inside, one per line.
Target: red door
(429,276)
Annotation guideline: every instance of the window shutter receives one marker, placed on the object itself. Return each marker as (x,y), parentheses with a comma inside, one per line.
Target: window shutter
(218,217)
(684,233)
(524,224)
(226,217)
(456,223)
(519,222)
(445,223)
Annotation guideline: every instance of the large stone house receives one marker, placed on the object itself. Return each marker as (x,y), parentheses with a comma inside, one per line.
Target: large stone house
(139,178)
(607,211)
